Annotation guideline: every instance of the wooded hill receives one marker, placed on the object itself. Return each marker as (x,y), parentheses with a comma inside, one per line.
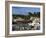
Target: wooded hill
(27,16)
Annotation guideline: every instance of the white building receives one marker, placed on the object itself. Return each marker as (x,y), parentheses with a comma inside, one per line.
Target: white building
(18,19)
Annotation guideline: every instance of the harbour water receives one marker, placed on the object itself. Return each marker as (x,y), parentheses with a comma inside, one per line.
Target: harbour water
(22,27)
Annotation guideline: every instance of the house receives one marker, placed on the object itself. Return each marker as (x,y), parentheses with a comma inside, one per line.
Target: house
(19,19)
(35,21)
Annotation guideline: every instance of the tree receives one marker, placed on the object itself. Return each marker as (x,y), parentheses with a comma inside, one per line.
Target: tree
(30,13)
(38,14)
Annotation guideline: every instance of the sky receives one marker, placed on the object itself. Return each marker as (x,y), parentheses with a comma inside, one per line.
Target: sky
(24,10)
